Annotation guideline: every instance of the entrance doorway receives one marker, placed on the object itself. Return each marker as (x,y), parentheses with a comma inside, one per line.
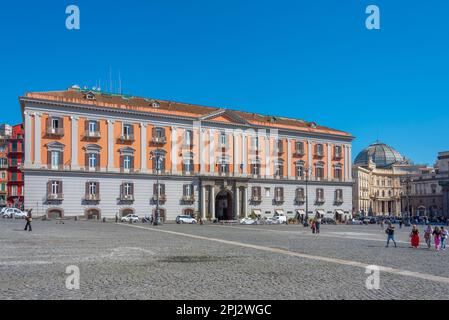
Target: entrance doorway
(223,206)
(93,214)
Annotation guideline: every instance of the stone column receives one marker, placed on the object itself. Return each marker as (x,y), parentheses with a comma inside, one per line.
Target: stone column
(174,150)
(212,201)
(235,153)
(211,151)
(289,158)
(201,150)
(267,156)
(203,202)
(329,161)
(74,146)
(143,147)
(110,145)
(245,202)
(37,140)
(244,153)
(237,203)
(309,158)
(28,140)
(350,163)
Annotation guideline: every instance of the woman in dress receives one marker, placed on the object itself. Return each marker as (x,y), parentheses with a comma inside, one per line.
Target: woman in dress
(437,237)
(414,237)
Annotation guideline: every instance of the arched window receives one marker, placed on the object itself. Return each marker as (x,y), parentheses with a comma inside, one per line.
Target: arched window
(337,172)
(188,163)
(320,195)
(299,169)
(279,168)
(319,170)
(339,196)
(158,159)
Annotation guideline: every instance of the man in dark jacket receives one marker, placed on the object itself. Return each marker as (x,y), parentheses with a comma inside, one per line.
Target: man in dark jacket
(390,233)
(28,220)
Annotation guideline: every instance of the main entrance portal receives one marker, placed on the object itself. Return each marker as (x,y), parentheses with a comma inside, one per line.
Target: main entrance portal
(223,206)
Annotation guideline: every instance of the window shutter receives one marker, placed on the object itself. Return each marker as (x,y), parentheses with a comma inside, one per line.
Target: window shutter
(48,123)
(192,189)
(98,188)
(60,191)
(163,132)
(121,191)
(86,159)
(61,123)
(48,187)
(86,125)
(61,156)
(132,188)
(98,165)
(122,163)
(132,163)
(163,189)
(131,129)
(49,158)
(87,191)
(153,132)
(154,189)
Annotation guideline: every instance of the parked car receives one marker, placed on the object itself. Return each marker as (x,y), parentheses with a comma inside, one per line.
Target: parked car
(282,218)
(247,221)
(130,217)
(14,213)
(185,219)
(328,221)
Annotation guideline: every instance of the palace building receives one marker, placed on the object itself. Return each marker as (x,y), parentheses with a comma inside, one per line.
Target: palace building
(95,154)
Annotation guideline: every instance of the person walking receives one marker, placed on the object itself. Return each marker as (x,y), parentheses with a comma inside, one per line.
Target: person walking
(318,225)
(414,237)
(400,224)
(313,226)
(437,237)
(28,220)
(444,235)
(427,233)
(382,223)
(390,232)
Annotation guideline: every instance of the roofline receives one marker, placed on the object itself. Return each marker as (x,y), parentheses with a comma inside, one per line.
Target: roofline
(345,135)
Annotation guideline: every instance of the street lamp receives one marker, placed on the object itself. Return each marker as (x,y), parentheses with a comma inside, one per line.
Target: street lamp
(307,172)
(158,157)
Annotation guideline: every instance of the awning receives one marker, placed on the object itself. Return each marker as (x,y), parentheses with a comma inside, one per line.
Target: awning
(301,212)
(279,211)
(257,212)
(339,211)
(320,211)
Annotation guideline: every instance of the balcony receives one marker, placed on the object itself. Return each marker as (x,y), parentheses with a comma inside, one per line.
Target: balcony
(320,200)
(319,154)
(339,201)
(55,196)
(162,198)
(92,134)
(92,197)
(127,197)
(159,140)
(279,199)
(190,198)
(124,138)
(55,132)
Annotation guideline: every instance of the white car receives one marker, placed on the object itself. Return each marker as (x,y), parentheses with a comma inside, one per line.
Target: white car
(14,213)
(282,218)
(247,221)
(130,217)
(185,219)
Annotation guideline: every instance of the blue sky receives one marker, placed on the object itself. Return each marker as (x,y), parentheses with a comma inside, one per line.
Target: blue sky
(313,60)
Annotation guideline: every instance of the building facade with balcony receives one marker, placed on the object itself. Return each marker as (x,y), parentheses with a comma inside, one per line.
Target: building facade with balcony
(94,154)
(427,193)
(15,190)
(377,173)
(5,135)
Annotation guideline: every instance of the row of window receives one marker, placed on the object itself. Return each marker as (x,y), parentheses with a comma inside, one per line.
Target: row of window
(300,197)
(92,191)
(55,127)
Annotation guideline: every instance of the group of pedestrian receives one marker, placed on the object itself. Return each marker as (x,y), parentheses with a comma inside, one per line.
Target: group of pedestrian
(439,235)
(315,225)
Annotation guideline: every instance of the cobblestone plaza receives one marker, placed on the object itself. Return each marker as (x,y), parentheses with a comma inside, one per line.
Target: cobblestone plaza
(138,261)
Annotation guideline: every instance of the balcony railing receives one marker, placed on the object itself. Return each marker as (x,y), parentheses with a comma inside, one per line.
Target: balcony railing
(55,196)
(162,197)
(256,198)
(339,201)
(190,198)
(127,197)
(320,200)
(319,154)
(92,197)
(92,134)
(126,138)
(159,140)
(55,132)
(279,199)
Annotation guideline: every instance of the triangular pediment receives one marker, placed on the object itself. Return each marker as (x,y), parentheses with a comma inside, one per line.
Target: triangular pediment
(224,115)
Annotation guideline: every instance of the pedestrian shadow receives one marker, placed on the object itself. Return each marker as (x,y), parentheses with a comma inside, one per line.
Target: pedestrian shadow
(18,230)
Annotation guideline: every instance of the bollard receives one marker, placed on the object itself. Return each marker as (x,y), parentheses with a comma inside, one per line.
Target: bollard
(104,219)
(76,218)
